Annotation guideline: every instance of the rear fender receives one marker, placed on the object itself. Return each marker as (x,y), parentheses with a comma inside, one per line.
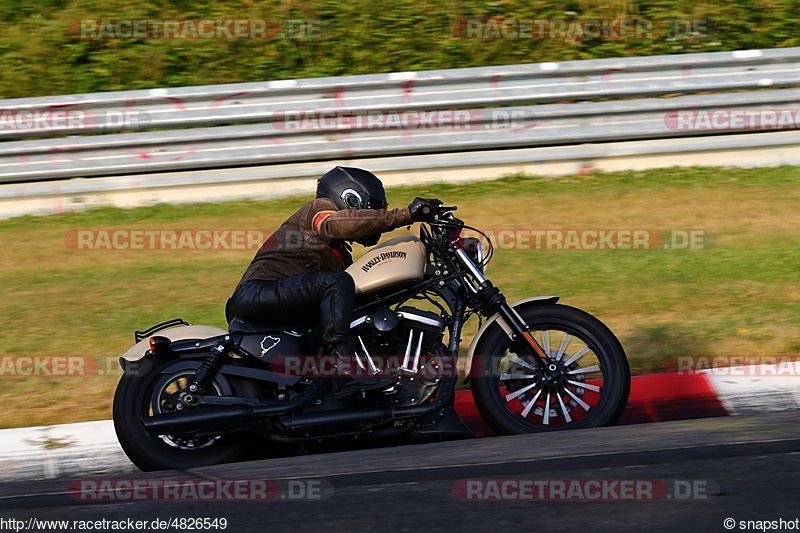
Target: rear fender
(139,350)
(135,360)
(497,321)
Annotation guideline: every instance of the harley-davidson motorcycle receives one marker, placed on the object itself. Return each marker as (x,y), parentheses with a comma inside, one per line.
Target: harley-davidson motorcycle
(196,395)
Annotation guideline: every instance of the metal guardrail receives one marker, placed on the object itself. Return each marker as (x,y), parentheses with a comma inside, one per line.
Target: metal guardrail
(220,126)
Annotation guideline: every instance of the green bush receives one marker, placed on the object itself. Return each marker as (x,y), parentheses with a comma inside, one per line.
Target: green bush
(41,54)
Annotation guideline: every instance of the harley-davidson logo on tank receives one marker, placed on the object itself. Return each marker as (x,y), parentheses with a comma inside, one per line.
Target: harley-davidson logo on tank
(395,254)
(398,260)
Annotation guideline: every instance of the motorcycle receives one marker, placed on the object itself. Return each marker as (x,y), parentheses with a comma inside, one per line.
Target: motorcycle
(195,395)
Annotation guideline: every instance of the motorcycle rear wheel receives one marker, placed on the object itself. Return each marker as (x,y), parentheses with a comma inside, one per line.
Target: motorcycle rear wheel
(135,397)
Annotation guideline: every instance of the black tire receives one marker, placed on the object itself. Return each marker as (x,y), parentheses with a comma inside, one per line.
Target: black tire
(148,453)
(610,354)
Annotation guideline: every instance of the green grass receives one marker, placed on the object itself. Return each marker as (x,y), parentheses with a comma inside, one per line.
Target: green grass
(740,296)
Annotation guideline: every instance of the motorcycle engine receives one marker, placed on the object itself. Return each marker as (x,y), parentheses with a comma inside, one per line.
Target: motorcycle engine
(404,342)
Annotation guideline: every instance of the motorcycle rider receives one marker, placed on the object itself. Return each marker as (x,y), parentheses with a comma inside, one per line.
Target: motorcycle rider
(299,270)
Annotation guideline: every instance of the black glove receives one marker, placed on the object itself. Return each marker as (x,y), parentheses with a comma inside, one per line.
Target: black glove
(423,209)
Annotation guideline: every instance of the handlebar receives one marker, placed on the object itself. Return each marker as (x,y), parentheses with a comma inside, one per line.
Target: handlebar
(443,216)
(444,219)
(436,210)
(446,230)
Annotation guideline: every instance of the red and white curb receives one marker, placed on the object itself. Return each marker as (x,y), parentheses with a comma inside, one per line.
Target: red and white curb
(91,448)
(738,390)
(757,389)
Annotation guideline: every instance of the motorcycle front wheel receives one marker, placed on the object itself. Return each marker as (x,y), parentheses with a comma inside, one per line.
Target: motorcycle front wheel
(584,383)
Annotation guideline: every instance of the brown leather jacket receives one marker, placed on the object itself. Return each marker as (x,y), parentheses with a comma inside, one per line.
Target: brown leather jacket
(312,239)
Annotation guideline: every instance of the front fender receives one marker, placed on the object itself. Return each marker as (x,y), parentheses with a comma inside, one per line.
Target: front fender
(138,350)
(495,319)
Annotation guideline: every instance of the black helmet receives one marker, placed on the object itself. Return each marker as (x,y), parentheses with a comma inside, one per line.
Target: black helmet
(352,188)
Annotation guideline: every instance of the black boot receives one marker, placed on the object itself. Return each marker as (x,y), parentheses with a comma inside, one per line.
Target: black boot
(345,387)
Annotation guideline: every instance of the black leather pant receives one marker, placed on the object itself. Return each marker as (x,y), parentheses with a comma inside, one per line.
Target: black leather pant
(326,294)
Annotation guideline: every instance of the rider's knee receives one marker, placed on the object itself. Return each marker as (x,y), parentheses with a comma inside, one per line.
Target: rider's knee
(339,281)
(344,281)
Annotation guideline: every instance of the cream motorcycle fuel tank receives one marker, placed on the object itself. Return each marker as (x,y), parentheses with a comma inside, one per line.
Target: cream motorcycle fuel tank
(398,260)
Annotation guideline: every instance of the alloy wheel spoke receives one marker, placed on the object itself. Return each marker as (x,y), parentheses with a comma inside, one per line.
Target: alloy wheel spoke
(578,400)
(586,370)
(531,404)
(564,411)
(519,392)
(577,355)
(587,386)
(517,376)
(546,342)
(546,419)
(170,396)
(514,358)
(562,348)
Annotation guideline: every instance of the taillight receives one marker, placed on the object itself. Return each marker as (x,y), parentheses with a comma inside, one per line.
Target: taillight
(159,344)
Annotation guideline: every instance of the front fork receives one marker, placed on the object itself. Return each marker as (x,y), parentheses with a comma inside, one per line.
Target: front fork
(492,301)
(521,334)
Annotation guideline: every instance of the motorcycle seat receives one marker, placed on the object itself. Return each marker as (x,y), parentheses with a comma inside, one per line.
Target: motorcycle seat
(242,325)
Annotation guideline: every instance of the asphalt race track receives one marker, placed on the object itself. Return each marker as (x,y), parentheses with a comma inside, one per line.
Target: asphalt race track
(745,468)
